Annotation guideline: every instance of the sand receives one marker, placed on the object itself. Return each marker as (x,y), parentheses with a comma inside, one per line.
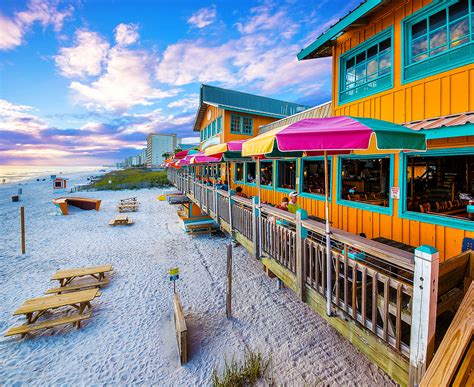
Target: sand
(130,338)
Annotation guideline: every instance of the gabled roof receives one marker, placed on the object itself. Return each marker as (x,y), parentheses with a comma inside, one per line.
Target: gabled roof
(242,102)
(320,111)
(322,46)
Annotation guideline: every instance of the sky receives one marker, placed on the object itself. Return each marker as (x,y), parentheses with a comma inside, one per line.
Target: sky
(84,82)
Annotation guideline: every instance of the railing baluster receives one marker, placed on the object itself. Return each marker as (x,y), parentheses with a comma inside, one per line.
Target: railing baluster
(375,300)
(364,296)
(386,301)
(354,290)
(398,325)
(337,280)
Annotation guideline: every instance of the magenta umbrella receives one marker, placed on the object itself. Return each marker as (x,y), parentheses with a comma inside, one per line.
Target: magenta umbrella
(333,135)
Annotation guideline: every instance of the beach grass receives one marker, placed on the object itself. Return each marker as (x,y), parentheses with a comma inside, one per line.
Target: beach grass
(245,373)
(132,178)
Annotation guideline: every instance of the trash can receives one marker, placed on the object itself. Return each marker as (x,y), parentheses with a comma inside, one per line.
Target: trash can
(15,198)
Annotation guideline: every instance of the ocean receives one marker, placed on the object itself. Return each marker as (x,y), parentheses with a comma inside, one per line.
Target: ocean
(16,173)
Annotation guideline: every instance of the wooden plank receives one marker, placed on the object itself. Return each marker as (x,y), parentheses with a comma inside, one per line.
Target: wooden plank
(398,321)
(75,287)
(364,296)
(375,291)
(23,329)
(181,329)
(385,317)
(354,291)
(51,302)
(454,345)
(80,272)
(346,281)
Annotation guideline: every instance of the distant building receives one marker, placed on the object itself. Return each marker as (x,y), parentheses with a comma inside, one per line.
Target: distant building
(157,145)
(142,157)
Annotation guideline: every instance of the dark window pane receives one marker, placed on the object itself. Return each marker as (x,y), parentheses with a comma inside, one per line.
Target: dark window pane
(350,63)
(418,29)
(360,57)
(458,10)
(313,176)
(251,168)
(437,20)
(440,185)
(387,43)
(366,180)
(266,173)
(239,171)
(372,51)
(286,174)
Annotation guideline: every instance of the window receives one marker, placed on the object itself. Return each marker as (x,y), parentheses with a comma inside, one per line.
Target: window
(234,123)
(313,177)
(219,124)
(367,69)
(239,171)
(438,38)
(366,180)
(241,124)
(251,169)
(215,127)
(440,186)
(266,173)
(286,174)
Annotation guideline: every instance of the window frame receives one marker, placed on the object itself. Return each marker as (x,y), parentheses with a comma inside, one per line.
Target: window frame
(241,124)
(424,14)
(365,206)
(277,187)
(309,195)
(467,225)
(352,53)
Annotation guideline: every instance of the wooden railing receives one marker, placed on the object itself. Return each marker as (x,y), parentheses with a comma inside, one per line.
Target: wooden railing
(372,284)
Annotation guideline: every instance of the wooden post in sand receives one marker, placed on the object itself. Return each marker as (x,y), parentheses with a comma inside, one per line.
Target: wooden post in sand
(23,242)
(228,310)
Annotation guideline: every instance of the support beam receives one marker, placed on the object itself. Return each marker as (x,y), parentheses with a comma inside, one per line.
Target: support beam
(425,298)
(301,234)
(255,228)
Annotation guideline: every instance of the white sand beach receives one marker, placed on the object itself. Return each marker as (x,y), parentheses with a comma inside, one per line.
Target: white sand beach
(130,337)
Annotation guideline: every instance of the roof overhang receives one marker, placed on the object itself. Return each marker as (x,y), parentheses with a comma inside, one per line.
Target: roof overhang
(322,46)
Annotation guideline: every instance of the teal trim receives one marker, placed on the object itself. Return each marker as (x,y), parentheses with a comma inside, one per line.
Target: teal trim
(449,131)
(403,213)
(309,195)
(383,82)
(364,206)
(443,61)
(324,40)
(279,189)
(427,249)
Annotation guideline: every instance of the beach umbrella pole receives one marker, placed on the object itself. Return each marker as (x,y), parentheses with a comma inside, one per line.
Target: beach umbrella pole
(328,235)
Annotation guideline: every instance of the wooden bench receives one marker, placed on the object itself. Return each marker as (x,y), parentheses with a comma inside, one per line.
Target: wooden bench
(121,220)
(72,288)
(455,276)
(127,207)
(200,228)
(24,329)
(181,329)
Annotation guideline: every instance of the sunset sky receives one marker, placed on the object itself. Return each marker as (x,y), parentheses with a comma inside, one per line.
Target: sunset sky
(84,82)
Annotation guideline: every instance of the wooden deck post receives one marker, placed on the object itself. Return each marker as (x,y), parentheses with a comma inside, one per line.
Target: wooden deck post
(301,234)
(425,298)
(229,282)
(216,206)
(23,241)
(231,225)
(255,228)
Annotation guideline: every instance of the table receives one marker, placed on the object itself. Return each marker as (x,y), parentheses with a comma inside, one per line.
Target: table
(36,307)
(66,276)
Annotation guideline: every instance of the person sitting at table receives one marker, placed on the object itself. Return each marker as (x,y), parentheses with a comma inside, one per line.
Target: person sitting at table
(293,205)
(239,192)
(284,204)
(250,178)
(225,186)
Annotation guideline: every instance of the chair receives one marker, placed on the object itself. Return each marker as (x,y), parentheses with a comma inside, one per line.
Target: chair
(467,244)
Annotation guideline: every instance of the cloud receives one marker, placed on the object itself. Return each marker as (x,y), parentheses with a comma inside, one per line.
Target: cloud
(126,34)
(18,118)
(187,103)
(126,82)
(203,17)
(85,58)
(44,12)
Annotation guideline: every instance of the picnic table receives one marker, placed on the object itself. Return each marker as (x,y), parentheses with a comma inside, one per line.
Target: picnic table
(34,308)
(66,276)
(121,220)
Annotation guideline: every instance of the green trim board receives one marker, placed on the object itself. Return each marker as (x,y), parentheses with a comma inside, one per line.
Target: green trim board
(364,206)
(403,213)
(317,48)
(309,195)
(449,131)
(363,56)
(434,23)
